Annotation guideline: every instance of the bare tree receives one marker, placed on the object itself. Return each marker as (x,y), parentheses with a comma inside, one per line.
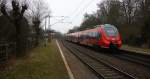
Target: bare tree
(103,11)
(145,19)
(15,17)
(38,12)
(129,8)
(109,10)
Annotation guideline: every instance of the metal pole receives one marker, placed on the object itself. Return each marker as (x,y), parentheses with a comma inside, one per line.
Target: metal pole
(45,24)
(45,31)
(49,26)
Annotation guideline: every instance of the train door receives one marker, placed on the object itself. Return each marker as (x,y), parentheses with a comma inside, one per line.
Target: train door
(97,37)
(94,37)
(90,37)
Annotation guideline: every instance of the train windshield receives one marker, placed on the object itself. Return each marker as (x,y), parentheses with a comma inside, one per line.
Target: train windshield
(111,31)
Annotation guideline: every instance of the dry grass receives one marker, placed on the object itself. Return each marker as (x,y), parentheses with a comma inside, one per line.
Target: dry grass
(43,63)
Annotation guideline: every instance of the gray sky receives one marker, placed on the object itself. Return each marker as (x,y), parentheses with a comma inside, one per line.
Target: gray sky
(73,9)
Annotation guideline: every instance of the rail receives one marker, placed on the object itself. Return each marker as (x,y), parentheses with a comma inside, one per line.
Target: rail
(106,70)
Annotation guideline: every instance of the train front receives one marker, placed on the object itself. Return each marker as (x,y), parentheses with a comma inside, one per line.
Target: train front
(111,37)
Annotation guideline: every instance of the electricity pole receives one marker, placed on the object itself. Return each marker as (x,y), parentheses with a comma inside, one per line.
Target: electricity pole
(45,32)
(48,18)
(49,26)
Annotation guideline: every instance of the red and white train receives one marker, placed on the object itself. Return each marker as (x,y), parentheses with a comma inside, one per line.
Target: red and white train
(105,36)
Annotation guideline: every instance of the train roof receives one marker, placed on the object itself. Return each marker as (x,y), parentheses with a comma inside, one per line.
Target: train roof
(92,30)
(108,25)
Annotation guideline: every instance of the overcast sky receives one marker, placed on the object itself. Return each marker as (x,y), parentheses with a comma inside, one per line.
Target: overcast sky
(72,9)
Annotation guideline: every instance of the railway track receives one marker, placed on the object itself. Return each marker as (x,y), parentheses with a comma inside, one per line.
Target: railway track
(133,57)
(100,68)
(136,58)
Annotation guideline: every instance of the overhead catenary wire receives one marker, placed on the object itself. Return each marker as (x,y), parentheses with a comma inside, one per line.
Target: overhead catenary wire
(74,11)
(86,6)
(78,7)
(77,11)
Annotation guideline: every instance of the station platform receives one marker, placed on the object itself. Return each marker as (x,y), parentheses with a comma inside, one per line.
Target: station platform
(144,51)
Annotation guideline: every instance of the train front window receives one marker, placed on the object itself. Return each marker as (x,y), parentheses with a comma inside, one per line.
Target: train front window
(111,31)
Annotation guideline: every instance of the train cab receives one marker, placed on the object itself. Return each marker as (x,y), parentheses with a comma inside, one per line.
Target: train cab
(109,36)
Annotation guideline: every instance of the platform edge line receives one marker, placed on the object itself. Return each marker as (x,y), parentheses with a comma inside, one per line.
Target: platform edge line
(65,62)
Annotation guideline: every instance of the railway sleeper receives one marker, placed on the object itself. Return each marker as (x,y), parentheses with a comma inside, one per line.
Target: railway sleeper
(104,69)
(116,77)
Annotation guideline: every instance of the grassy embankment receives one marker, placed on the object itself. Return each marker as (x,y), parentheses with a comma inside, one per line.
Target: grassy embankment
(42,63)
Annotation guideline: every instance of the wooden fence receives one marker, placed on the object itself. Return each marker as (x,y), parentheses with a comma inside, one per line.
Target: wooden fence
(6,50)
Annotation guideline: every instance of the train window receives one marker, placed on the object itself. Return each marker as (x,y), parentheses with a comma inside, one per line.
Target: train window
(93,35)
(90,34)
(111,31)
